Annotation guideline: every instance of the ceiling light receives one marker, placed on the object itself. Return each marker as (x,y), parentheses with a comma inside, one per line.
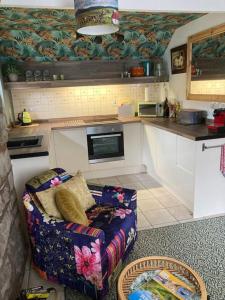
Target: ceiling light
(97,17)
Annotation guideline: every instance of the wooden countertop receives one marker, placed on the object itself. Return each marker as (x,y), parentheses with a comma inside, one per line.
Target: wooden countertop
(45,127)
(197,132)
(193,132)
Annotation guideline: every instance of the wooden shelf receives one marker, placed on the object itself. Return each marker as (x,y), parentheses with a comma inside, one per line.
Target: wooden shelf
(208,77)
(82,82)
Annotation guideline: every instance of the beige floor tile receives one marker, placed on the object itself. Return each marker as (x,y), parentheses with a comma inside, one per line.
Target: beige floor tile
(159,216)
(93,181)
(150,184)
(142,222)
(127,179)
(166,224)
(109,181)
(149,204)
(143,177)
(168,200)
(133,185)
(180,212)
(144,194)
(159,191)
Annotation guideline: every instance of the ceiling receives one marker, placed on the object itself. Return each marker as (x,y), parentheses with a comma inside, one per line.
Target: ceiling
(50,35)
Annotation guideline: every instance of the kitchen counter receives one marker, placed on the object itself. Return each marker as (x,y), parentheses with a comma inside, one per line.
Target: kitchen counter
(44,128)
(194,132)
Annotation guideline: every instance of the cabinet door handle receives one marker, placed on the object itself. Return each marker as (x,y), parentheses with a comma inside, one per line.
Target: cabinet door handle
(105,136)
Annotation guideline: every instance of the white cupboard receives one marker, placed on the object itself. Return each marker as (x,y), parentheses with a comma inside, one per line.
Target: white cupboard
(71,152)
(209,181)
(191,174)
(25,168)
(167,158)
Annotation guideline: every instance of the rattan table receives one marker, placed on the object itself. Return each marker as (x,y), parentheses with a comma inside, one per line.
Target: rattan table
(134,269)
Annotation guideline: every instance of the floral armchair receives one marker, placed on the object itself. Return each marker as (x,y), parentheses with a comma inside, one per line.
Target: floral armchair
(83,258)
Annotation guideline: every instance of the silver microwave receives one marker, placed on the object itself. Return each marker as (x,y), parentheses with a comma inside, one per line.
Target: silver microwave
(147,109)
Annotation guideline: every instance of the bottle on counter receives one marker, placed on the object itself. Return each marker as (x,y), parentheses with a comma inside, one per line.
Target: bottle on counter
(166,109)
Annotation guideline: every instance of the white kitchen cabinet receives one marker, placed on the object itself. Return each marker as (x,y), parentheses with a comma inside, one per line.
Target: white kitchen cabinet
(133,144)
(26,168)
(209,181)
(71,151)
(191,174)
(169,159)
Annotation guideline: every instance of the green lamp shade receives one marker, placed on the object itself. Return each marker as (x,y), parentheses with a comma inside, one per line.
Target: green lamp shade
(96,17)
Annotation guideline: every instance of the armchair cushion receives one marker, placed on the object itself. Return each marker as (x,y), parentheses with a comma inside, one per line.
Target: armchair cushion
(111,220)
(70,207)
(114,196)
(76,184)
(46,180)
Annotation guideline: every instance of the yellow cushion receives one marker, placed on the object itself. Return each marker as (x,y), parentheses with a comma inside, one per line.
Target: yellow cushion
(77,185)
(70,207)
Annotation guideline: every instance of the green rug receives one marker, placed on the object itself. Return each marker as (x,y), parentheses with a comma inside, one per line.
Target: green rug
(200,244)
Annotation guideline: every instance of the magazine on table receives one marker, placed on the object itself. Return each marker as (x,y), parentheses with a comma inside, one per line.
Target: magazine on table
(163,286)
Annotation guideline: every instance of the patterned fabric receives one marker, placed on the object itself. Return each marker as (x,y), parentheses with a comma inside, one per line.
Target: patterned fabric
(47,35)
(46,180)
(84,257)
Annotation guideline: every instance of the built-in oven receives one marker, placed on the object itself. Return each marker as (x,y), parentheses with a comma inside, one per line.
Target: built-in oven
(105,143)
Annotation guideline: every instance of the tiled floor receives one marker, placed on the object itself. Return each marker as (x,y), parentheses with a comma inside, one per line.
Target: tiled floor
(32,279)
(156,208)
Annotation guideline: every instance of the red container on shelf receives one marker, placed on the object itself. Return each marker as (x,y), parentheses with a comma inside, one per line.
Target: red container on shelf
(137,71)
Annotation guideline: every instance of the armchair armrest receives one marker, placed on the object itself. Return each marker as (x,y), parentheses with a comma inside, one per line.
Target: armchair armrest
(114,196)
(79,232)
(76,233)
(42,225)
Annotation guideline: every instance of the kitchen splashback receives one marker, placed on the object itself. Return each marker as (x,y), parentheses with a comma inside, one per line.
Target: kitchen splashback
(81,101)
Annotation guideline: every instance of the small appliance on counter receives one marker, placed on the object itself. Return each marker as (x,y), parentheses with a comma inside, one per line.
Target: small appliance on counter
(191,116)
(150,109)
(24,118)
(218,125)
(126,110)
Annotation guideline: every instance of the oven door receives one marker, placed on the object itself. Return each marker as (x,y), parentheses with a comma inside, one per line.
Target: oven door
(105,147)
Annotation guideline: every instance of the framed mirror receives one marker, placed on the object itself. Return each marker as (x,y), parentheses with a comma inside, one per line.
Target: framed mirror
(206,65)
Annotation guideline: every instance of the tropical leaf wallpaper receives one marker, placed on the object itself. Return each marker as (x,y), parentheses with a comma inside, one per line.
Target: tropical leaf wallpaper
(50,35)
(213,47)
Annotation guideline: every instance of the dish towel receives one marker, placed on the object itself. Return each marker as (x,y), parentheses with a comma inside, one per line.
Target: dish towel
(222,160)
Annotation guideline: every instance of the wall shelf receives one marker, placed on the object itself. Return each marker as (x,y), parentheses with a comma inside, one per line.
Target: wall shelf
(82,82)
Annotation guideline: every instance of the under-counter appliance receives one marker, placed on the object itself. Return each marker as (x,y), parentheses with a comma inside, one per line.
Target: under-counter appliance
(191,116)
(105,143)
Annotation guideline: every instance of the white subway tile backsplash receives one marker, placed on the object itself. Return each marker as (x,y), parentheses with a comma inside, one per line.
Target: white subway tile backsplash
(81,101)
